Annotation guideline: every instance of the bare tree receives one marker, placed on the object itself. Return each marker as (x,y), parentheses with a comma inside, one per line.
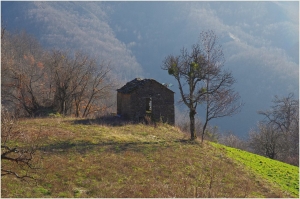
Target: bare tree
(78,82)
(12,156)
(36,82)
(67,75)
(22,72)
(98,90)
(95,89)
(283,114)
(283,117)
(231,140)
(201,80)
(219,99)
(188,68)
(266,141)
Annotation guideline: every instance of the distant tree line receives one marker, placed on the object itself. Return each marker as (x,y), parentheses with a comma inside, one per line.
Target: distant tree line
(38,82)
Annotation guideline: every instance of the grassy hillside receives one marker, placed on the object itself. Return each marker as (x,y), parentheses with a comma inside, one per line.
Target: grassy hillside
(281,175)
(81,158)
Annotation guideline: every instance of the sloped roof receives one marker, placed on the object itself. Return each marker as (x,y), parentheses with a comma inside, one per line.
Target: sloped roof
(136,83)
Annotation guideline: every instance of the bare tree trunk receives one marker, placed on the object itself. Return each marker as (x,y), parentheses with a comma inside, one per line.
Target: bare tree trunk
(192,124)
(203,130)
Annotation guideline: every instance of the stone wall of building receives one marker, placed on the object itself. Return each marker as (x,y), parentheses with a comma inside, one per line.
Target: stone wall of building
(161,108)
(123,105)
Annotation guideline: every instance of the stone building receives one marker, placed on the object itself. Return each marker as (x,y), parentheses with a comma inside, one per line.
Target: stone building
(146,97)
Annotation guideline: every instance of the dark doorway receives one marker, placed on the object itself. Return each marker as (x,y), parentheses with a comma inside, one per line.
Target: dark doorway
(148,105)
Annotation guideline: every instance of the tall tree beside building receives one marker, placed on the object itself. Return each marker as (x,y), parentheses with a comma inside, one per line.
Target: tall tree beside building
(219,100)
(202,80)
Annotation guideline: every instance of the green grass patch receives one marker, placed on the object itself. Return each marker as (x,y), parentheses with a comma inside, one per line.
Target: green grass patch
(42,191)
(278,173)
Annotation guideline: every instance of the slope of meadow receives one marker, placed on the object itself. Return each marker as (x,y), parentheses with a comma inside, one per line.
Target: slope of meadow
(281,175)
(87,158)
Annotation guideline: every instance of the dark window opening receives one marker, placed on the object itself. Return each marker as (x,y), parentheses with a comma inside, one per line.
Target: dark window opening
(149,105)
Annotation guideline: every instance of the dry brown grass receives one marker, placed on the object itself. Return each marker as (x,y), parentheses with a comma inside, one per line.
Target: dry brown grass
(134,160)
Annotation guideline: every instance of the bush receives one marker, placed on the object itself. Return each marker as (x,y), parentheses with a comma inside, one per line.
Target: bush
(55,115)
